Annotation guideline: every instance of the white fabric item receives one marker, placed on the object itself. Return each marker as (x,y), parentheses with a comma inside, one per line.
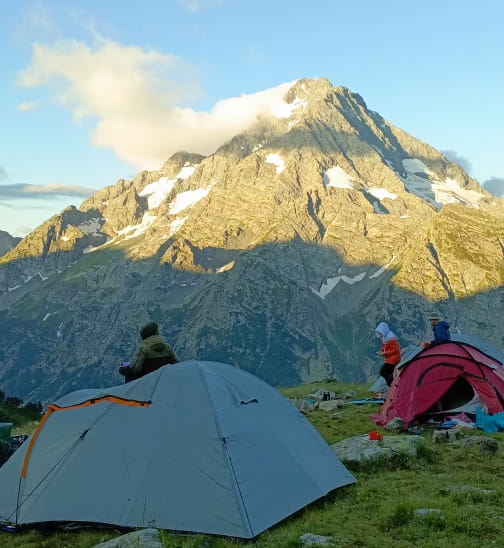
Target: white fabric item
(385,332)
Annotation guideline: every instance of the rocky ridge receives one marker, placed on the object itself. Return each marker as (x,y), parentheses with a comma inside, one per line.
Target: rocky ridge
(7,241)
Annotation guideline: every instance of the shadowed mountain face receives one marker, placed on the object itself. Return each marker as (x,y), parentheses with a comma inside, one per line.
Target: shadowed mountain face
(7,242)
(278,253)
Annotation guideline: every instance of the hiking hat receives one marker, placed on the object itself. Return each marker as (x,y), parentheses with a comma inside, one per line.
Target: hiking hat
(433,316)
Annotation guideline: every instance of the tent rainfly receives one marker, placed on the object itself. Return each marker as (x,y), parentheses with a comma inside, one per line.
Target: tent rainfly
(458,376)
(198,446)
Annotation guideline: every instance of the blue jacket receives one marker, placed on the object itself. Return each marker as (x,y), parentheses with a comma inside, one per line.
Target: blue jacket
(441,333)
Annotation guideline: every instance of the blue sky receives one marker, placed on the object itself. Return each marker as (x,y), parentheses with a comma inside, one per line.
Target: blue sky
(94,91)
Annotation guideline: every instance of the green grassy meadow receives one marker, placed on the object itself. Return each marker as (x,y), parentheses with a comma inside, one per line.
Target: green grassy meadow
(379,511)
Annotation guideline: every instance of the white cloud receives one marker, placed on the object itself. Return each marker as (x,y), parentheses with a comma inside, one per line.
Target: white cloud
(457,158)
(197,5)
(139,99)
(39,17)
(285,110)
(23,107)
(48,191)
(495,185)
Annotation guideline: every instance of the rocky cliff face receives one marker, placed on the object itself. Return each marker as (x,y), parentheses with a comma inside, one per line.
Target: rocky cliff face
(7,242)
(279,253)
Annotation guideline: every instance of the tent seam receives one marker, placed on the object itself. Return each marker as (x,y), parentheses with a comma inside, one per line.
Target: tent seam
(238,493)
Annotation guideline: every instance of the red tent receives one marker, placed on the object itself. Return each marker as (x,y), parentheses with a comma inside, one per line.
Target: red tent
(456,376)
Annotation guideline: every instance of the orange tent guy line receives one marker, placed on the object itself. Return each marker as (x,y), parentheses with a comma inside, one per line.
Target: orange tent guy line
(52,408)
(47,414)
(112,399)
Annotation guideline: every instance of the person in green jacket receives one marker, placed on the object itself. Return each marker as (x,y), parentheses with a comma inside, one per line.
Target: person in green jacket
(152,353)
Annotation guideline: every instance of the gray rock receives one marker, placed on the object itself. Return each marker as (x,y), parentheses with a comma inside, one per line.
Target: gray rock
(309,539)
(467,489)
(427,511)
(361,449)
(441,436)
(321,393)
(146,538)
(486,445)
(395,425)
(309,405)
(331,405)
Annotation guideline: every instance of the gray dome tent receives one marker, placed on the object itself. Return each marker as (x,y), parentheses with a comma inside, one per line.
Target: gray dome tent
(198,446)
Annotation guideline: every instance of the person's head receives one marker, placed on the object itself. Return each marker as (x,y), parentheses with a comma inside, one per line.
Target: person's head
(149,329)
(382,329)
(434,319)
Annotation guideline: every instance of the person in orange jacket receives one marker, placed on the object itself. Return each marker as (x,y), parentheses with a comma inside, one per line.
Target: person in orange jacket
(390,351)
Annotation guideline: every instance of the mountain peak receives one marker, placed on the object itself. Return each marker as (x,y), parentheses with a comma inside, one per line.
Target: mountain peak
(279,253)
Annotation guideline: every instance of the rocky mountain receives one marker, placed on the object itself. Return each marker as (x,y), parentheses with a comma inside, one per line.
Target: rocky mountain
(7,241)
(279,253)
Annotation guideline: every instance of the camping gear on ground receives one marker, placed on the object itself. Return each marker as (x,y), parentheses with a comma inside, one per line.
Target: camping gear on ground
(367,400)
(379,385)
(489,423)
(17,441)
(458,376)
(198,446)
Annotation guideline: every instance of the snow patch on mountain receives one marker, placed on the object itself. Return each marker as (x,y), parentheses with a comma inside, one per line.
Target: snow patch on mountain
(159,190)
(382,193)
(27,279)
(132,231)
(188,199)
(425,184)
(382,269)
(450,192)
(337,177)
(286,110)
(226,267)
(259,145)
(176,225)
(331,283)
(276,160)
(186,171)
